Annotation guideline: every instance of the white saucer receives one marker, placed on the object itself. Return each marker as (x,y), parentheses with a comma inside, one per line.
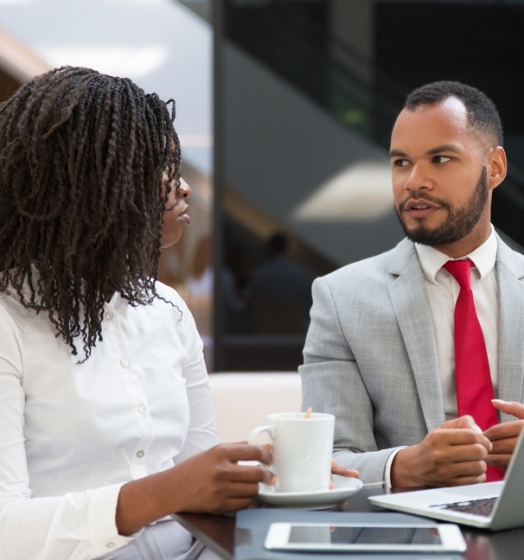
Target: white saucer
(319,499)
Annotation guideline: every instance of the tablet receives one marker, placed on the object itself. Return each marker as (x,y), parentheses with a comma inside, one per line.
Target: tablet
(383,537)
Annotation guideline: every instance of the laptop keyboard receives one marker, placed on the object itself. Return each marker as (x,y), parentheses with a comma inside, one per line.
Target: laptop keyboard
(483,507)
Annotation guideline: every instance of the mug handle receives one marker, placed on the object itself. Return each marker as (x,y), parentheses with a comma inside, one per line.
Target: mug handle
(256,431)
(252,441)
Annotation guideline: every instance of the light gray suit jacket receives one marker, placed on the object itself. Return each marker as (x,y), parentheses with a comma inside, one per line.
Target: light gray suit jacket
(371,358)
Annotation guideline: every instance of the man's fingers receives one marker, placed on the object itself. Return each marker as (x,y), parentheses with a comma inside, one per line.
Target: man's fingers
(461,481)
(458,436)
(343,471)
(500,460)
(504,431)
(503,446)
(510,407)
(465,453)
(466,422)
(468,469)
(352,473)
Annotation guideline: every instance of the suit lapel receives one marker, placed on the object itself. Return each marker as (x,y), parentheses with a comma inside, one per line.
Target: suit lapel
(510,275)
(410,300)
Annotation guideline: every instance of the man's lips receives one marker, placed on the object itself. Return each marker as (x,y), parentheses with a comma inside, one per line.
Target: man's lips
(420,204)
(420,208)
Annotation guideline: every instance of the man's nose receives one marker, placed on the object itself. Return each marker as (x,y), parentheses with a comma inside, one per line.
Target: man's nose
(184,190)
(418,178)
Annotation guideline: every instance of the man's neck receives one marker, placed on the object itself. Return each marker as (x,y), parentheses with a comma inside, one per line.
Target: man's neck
(468,244)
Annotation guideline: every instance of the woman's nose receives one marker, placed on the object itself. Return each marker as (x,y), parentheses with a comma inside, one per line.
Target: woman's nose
(184,190)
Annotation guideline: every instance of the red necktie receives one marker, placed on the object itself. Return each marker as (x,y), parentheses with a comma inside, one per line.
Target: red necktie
(472,377)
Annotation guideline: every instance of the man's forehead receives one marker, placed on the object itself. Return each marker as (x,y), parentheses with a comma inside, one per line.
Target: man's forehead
(445,122)
(450,110)
(450,105)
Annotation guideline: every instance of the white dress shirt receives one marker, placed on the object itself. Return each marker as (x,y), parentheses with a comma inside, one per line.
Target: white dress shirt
(72,434)
(443,291)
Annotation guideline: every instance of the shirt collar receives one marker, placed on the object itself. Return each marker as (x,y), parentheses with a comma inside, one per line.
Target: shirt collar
(483,257)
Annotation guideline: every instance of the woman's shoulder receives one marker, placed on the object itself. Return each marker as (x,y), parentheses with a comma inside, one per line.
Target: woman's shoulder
(169,294)
(14,313)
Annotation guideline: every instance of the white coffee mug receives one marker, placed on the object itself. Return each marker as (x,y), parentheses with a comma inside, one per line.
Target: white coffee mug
(302,449)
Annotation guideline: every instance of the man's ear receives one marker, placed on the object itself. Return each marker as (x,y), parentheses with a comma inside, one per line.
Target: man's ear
(497,167)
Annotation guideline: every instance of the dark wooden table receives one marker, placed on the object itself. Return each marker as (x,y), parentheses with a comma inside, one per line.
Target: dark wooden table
(218,532)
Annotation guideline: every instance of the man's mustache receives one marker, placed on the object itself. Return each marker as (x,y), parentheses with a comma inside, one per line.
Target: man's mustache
(425,197)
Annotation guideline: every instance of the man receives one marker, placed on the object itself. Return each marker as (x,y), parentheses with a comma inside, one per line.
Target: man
(380,351)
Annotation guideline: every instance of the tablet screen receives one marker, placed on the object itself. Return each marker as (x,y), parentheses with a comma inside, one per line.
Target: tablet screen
(365,535)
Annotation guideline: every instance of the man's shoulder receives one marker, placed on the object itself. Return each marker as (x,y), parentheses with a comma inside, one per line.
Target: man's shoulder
(509,256)
(378,269)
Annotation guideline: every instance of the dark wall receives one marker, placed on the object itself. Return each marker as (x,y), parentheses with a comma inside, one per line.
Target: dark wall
(289,36)
(482,45)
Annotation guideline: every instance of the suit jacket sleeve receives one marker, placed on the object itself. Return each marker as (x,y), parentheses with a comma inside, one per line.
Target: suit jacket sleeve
(332,382)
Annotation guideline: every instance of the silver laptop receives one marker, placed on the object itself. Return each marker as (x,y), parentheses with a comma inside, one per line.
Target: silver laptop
(492,505)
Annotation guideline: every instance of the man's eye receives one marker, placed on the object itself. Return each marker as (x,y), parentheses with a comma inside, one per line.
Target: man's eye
(400,162)
(441,159)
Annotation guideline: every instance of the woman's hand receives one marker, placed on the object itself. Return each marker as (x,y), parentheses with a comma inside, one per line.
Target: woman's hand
(209,482)
(214,482)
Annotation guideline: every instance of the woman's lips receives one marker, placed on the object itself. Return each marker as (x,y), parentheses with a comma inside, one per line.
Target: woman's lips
(185,218)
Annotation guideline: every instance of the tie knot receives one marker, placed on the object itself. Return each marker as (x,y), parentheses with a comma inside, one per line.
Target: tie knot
(460,270)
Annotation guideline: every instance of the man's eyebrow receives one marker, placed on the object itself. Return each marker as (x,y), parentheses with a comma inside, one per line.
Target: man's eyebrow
(449,148)
(397,153)
(443,148)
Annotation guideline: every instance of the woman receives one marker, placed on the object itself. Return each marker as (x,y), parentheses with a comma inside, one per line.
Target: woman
(106,423)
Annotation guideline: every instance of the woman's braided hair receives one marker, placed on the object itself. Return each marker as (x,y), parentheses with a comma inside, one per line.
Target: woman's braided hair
(83,188)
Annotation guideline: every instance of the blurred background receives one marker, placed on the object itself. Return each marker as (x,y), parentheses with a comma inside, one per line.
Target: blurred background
(284,111)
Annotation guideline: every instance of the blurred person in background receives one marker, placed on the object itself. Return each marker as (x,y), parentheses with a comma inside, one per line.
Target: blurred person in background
(280,290)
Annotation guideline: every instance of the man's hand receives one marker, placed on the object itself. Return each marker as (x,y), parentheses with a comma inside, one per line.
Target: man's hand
(453,454)
(504,436)
(342,471)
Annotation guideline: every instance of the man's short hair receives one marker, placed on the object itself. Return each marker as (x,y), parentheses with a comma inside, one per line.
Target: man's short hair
(483,115)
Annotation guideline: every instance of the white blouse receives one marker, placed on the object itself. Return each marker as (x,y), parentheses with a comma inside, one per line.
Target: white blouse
(72,434)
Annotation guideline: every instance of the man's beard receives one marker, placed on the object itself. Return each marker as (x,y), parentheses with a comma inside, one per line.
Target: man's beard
(459,223)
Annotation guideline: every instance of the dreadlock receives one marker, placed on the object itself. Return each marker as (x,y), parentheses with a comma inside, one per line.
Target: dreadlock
(82,158)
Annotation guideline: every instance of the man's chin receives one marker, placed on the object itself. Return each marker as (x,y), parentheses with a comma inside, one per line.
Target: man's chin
(432,238)
(423,235)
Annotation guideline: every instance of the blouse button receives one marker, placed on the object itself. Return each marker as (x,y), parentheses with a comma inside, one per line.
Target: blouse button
(140,454)
(124,362)
(109,315)
(142,409)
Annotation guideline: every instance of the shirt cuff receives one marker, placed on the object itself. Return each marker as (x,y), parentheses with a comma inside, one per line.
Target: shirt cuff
(387,470)
(103,533)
